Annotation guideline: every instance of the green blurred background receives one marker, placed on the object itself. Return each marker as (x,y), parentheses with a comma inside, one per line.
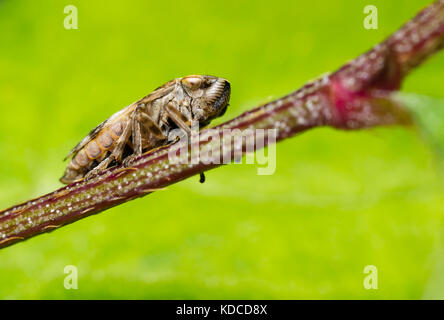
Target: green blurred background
(338,201)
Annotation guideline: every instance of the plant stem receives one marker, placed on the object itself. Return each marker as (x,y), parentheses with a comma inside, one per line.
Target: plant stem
(356,96)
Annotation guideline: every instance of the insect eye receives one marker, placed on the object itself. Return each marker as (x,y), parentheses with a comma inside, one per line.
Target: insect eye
(193,82)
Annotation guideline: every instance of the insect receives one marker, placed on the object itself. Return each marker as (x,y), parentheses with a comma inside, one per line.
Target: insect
(145,124)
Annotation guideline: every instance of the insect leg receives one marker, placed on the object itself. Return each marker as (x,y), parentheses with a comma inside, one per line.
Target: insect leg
(149,124)
(121,142)
(178,118)
(116,153)
(136,139)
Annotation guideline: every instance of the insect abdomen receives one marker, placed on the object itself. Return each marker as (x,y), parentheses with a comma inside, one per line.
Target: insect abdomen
(96,149)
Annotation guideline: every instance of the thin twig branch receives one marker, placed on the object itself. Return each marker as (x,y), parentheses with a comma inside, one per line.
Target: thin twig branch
(356,96)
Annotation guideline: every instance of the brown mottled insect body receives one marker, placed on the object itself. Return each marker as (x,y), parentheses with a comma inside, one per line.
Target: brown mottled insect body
(145,124)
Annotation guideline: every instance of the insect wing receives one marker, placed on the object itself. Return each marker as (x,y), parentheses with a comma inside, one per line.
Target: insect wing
(94,132)
(156,94)
(159,92)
